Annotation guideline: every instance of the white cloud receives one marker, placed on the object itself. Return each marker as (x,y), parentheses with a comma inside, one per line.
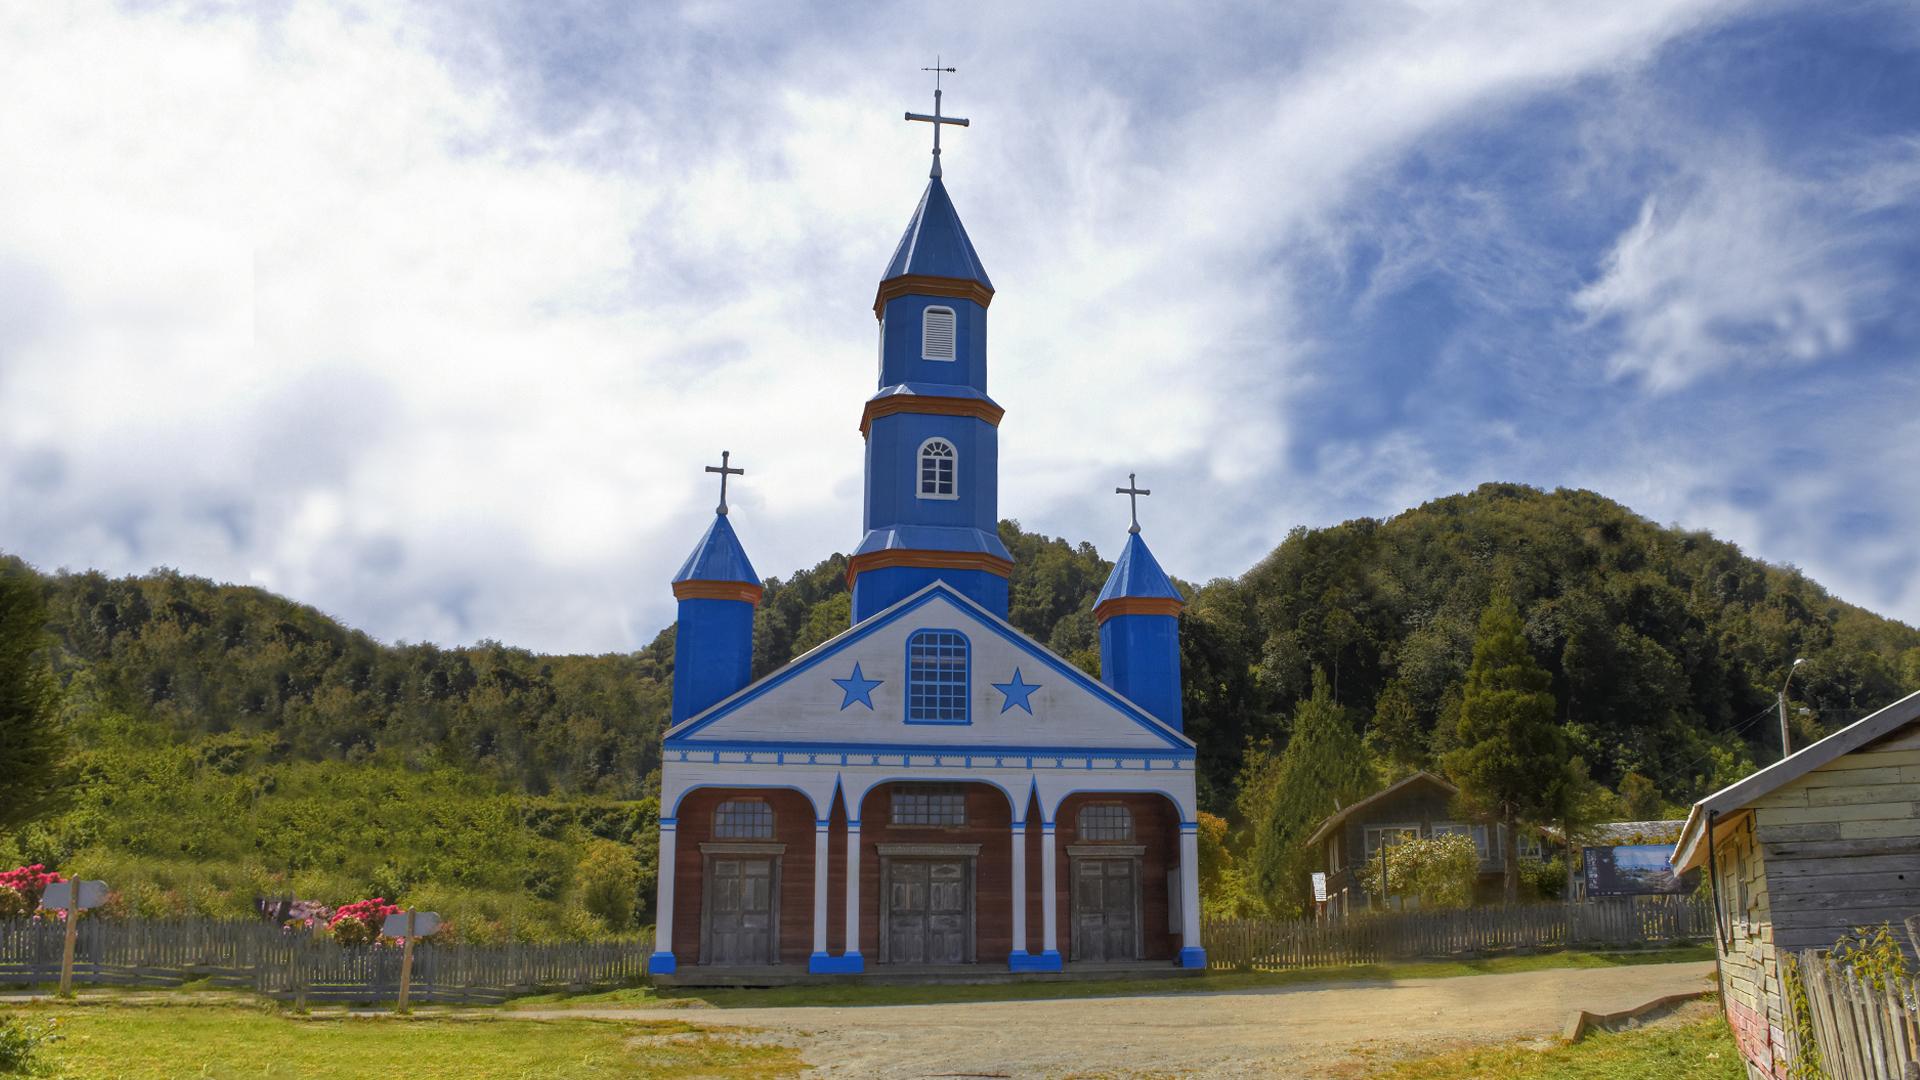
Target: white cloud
(335,300)
(1741,266)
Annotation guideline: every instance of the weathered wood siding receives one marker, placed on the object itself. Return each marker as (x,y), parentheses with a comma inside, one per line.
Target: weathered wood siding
(1842,843)
(1801,866)
(1749,961)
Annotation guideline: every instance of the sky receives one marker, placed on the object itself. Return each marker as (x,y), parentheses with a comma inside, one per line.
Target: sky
(431,316)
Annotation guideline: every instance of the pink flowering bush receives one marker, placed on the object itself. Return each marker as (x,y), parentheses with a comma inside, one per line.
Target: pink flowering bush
(358,923)
(20,889)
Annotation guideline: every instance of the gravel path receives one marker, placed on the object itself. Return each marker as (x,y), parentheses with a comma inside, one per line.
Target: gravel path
(1283,1032)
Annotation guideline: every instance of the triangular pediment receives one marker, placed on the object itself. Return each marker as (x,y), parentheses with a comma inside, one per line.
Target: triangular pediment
(853,691)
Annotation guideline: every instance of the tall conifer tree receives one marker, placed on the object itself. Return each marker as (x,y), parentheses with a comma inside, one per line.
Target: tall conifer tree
(30,745)
(1323,768)
(1510,756)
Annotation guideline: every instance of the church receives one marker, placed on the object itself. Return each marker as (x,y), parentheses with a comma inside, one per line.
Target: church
(931,790)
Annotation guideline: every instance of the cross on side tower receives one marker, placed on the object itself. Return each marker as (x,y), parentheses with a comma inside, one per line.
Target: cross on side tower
(725,472)
(1133,491)
(936,119)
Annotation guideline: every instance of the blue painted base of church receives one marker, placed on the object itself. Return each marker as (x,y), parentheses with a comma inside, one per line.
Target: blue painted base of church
(1023,961)
(662,963)
(1194,957)
(825,964)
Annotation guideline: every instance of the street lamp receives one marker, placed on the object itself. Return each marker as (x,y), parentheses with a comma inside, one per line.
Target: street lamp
(1786,745)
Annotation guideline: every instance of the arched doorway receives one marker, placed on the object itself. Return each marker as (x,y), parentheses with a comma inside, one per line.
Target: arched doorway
(1119,851)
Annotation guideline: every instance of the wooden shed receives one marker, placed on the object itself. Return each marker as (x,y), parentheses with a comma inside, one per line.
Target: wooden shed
(1800,853)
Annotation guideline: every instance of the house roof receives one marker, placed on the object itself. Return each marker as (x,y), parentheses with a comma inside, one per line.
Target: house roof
(1609,833)
(717,557)
(1137,573)
(1333,822)
(1687,851)
(935,243)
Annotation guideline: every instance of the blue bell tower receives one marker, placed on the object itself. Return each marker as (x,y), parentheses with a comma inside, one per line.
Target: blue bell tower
(717,592)
(933,454)
(1139,615)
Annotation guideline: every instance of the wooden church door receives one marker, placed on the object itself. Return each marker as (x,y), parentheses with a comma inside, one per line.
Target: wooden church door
(928,917)
(1106,909)
(740,911)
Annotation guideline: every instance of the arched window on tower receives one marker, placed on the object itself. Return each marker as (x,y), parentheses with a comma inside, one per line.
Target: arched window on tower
(936,333)
(939,463)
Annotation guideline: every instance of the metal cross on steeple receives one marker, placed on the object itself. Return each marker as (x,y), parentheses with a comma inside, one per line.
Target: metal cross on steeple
(725,472)
(1133,491)
(936,119)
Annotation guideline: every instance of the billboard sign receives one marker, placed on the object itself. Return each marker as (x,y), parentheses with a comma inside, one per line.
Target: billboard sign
(1632,870)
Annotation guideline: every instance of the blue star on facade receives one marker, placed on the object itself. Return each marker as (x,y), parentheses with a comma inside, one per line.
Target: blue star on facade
(858,688)
(1017,692)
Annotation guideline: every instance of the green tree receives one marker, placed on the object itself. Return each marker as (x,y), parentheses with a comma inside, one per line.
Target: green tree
(1508,740)
(31,744)
(610,882)
(1323,767)
(1437,870)
(1642,798)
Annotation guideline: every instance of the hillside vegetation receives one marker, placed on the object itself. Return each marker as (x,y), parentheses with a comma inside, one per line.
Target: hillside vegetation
(234,743)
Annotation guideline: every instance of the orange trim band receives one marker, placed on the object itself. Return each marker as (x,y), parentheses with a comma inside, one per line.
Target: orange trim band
(927,560)
(717,590)
(927,405)
(924,285)
(1138,605)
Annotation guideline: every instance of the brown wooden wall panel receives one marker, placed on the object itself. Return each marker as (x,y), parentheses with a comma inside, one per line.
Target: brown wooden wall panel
(989,822)
(1156,826)
(792,826)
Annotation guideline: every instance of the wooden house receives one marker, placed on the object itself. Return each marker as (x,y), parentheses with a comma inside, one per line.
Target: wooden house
(1800,853)
(1415,808)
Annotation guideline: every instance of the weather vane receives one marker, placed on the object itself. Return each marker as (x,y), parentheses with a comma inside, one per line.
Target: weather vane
(725,472)
(1133,491)
(936,119)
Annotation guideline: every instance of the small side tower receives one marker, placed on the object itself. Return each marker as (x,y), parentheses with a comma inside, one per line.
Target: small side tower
(713,638)
(1139,616)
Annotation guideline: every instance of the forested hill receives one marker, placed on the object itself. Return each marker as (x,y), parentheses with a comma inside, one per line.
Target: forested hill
(1665,648)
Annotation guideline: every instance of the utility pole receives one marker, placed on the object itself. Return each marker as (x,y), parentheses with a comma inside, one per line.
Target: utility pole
(1786,740)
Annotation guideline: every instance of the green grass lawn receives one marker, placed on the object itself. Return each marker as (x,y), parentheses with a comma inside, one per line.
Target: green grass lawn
(1213,982)
(1697,1049)
(218,1042)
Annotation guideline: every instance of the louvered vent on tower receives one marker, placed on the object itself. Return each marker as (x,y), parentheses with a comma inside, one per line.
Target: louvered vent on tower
(936,334)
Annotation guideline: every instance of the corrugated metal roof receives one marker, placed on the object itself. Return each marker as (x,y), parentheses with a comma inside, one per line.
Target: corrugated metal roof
(718,557)
(935,243)
(1137,573)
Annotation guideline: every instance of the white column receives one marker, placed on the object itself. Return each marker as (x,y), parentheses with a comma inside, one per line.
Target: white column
(1191,953)
(1019,849)
(1050,933)
(662,962)
(819,890)
(853,895)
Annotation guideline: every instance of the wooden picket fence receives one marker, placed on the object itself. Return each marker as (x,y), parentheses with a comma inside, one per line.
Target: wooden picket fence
(1863,1031)
(296,966)
(1617,922)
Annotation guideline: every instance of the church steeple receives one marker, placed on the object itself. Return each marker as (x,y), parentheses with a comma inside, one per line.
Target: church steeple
(717,591)
(1139,615)
(933,457)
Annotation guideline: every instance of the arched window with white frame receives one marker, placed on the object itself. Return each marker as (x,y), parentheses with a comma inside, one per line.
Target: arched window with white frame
(937,325)
(939,470)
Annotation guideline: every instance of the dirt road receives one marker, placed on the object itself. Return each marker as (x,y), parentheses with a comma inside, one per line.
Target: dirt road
(1287,1032)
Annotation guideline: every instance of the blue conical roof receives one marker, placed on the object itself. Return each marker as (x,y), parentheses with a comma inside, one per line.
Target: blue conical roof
(1137,573)
(718,557)
(935,243)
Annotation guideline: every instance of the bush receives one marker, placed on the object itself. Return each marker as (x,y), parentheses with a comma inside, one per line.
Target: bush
(610,883)
(20,889)
(21,1040)
(358,923)
(1438,870)
(1544,880)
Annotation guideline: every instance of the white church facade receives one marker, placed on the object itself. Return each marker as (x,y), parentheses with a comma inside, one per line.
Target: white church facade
(931,790)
